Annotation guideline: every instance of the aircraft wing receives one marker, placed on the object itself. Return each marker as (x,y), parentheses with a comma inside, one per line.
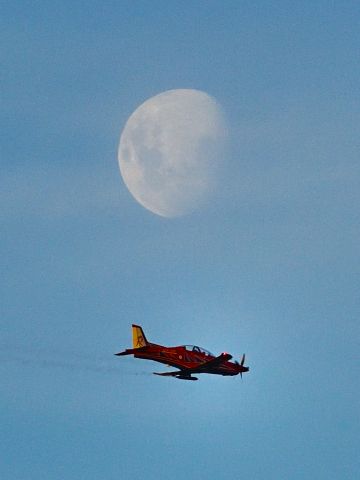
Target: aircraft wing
(180,374)
(214,362)
(168,374)
(184,372)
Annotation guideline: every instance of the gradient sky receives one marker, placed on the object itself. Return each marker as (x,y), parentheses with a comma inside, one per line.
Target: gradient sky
(271,268)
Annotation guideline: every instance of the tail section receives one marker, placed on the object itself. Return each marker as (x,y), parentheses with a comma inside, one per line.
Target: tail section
(139,342)
(139,339)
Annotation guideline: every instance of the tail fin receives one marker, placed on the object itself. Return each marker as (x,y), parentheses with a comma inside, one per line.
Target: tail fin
(139,339)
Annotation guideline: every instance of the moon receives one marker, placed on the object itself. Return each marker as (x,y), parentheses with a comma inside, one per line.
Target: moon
(171,150)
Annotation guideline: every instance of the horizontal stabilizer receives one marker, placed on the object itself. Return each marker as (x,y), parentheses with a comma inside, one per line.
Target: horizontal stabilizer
(130,351)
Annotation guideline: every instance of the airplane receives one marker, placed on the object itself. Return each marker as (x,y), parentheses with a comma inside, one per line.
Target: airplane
(188,359)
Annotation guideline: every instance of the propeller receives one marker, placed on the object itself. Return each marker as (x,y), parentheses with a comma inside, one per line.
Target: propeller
(242,363)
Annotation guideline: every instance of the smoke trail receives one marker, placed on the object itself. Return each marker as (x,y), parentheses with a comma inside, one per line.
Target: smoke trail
(26,356)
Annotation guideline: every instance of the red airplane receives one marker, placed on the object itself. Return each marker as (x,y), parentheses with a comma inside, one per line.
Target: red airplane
(188,359)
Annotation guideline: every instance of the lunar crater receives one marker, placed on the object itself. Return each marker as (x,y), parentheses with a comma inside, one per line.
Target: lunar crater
(170,151)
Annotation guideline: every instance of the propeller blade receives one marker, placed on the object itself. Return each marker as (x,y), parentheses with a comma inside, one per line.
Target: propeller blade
(242,360)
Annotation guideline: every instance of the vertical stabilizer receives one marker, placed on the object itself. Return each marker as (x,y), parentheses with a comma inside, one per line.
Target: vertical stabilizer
(139,339)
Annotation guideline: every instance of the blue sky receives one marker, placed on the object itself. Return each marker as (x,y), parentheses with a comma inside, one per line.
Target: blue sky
(271,268)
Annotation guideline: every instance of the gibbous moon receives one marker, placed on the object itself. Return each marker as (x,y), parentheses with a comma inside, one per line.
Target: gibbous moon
(170,151)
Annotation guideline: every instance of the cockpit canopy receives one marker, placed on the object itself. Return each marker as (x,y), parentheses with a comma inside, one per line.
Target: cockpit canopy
(195,348)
